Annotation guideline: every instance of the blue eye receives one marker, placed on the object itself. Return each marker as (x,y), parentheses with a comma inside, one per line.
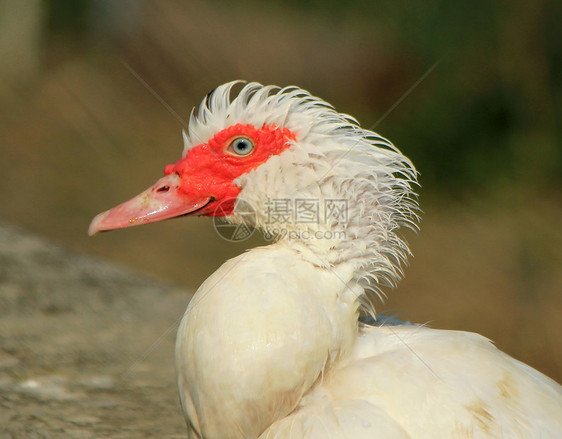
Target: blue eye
(241,146)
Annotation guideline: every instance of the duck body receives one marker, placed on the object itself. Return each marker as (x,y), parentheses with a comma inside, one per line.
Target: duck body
(226,360)
(271,345)
(302,369)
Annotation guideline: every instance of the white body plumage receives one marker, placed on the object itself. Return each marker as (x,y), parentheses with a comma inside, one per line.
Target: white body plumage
(264,355)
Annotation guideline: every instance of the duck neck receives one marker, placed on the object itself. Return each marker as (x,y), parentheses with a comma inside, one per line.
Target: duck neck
(343,221)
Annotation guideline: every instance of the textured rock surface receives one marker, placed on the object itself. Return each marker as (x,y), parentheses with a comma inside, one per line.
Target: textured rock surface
(86,348)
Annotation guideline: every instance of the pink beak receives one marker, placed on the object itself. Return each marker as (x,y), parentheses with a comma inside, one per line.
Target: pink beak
(162,201)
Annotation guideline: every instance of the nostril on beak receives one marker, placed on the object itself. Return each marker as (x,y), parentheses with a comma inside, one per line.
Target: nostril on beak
(164,188)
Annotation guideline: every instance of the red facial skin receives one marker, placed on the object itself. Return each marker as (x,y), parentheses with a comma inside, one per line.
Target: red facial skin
(201,183)
(210,169)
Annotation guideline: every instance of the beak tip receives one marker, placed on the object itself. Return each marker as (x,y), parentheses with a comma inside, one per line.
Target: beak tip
(95,226)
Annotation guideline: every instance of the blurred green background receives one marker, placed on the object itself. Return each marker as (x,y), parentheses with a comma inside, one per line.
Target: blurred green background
(93,94)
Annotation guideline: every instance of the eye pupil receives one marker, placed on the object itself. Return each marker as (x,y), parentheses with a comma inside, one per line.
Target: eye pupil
(242,145)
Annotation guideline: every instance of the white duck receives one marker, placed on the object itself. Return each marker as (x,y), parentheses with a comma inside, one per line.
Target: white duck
(270,345)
